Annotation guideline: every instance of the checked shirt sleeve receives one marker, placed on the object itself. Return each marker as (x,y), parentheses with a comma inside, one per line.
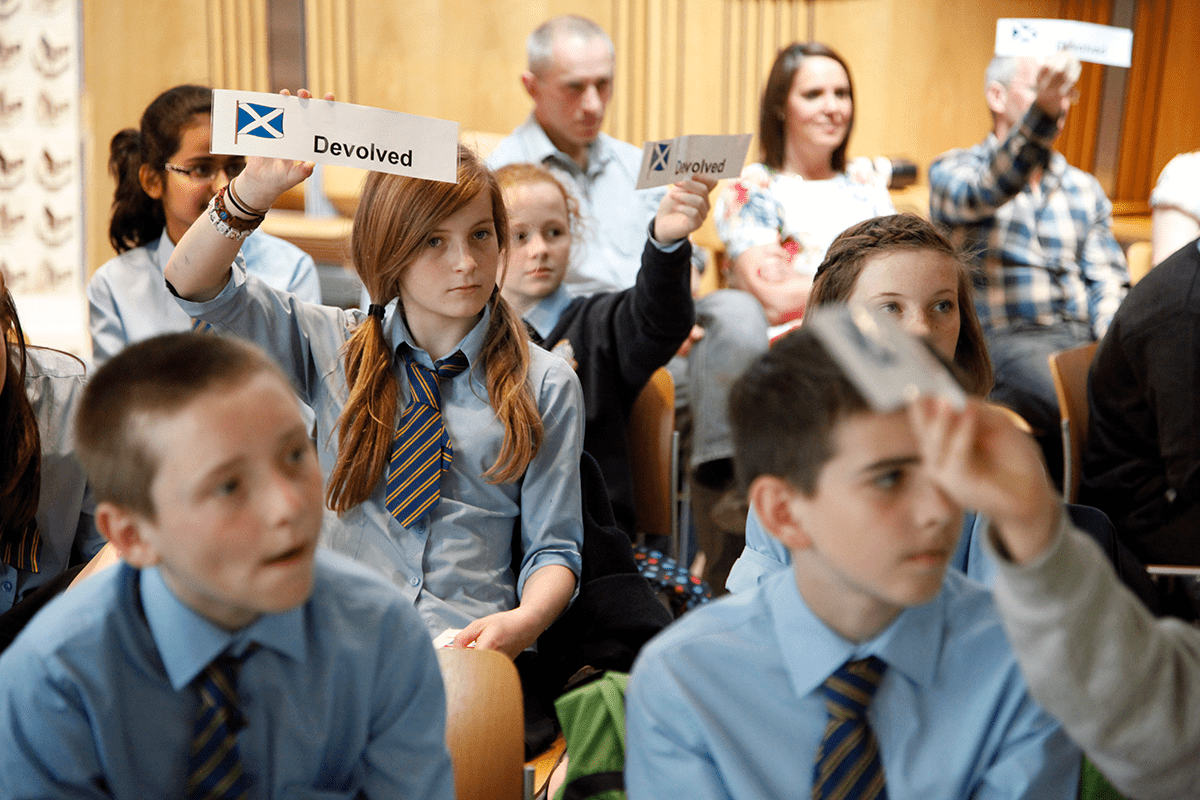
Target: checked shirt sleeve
(967,186)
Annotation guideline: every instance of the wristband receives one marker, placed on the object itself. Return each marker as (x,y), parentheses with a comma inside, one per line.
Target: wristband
(228,225)
(243,207)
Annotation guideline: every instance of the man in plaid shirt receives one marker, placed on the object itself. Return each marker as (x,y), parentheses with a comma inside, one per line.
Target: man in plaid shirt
(1049,274)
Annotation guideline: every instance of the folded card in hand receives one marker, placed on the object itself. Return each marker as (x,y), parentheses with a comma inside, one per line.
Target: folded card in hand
(887,365)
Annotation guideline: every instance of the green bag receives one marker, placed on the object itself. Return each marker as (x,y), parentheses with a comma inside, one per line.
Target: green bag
(593,723)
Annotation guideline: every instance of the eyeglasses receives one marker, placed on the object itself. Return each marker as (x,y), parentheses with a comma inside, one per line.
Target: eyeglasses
(205,171)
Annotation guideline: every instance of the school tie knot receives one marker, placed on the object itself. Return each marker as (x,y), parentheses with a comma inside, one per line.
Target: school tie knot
(214,763)
(847,765)
(421,449)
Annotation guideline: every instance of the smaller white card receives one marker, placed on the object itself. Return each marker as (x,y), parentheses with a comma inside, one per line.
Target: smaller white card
(1087,41)
(672,160)
(328,132)
(887,365)
(445,638)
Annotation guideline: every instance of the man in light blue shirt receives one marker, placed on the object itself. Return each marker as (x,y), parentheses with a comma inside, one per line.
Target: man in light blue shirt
(730,700)
(208,488)
(570,79)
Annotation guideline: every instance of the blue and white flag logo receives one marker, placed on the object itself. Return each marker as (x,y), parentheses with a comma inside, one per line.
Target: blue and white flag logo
(253,119)
(662,152)
(1024,32)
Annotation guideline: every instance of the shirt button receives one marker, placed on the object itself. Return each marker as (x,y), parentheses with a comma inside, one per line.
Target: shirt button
(8,586)
(413,581)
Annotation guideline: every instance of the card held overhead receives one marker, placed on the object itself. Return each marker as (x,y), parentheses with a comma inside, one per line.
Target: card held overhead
(1087,41)
(887,365)
(671,160)
(328,132)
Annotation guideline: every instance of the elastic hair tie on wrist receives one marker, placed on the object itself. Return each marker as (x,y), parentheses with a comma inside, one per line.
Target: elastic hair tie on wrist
(375,311)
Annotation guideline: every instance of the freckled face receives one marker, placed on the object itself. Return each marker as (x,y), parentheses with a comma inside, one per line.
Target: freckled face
(918,287)
(448,284)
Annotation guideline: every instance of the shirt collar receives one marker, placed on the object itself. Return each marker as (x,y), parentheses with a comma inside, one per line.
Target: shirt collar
(541,148)
(546,312)
(397,333)
(187,642)
(911,645)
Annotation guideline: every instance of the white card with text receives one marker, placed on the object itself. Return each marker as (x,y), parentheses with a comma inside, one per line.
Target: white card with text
(328,132)
(1087,41)
(671,160)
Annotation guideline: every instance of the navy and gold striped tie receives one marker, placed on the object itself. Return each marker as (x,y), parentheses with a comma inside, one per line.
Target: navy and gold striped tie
(22,551)
(214,766)
(847,764)
(421,449)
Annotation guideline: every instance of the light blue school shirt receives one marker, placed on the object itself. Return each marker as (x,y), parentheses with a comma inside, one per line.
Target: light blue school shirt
(343,696)
(66,509)
(455,563)
(724,703)
(128,299)
(608,255)
(764,555)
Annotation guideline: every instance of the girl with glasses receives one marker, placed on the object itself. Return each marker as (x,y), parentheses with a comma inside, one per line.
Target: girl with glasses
(165,177)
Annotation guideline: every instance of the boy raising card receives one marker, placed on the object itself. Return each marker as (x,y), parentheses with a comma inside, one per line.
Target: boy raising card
(226,657)
(868,669)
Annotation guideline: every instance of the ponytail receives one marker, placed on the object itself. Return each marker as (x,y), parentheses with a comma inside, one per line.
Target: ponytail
(367,424)
(506,356)
(137,218)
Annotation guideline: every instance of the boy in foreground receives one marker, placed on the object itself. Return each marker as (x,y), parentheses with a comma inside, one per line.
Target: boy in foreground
(226,657)
(868,670)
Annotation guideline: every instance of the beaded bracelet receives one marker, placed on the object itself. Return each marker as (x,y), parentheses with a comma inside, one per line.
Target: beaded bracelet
(228,225)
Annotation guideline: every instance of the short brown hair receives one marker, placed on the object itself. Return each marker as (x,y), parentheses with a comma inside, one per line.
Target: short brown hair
(772,136)
(783,410)
(844,260)
(158,376)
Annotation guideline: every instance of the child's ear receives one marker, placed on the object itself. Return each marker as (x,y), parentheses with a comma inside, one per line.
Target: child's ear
(151,181)
(775,501)
(124,529)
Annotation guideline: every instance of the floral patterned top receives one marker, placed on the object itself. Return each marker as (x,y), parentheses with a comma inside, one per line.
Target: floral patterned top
(765,206)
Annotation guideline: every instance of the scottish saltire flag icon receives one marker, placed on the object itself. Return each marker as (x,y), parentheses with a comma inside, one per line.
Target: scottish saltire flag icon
(662,151)
(253,119)
(1024,32)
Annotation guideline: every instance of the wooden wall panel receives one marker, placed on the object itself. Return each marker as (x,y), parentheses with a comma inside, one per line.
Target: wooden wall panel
(1135,174)
(329,32)
(125,66)
(684,66)
(1177,128)
(1077,142)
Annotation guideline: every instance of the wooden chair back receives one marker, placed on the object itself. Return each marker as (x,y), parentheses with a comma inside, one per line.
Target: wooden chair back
(1069,368)
(652,455)
(485,724)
